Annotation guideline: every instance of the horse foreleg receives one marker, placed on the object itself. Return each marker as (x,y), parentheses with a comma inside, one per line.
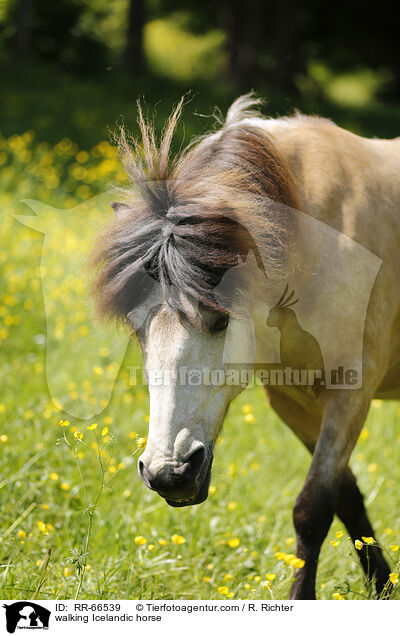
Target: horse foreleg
(351,510)
(312,516)
(316,504)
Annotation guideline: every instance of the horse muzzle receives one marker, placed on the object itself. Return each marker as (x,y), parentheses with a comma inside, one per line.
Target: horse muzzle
(185,483)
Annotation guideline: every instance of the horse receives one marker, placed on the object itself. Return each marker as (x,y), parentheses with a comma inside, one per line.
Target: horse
(236,200)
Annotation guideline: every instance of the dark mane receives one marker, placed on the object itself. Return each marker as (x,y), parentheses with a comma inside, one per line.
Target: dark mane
(189,219)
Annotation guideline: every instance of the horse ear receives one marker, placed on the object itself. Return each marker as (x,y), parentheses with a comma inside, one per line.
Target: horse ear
(119,208)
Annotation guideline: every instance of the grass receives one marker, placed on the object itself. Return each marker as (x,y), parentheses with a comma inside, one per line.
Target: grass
(223,548)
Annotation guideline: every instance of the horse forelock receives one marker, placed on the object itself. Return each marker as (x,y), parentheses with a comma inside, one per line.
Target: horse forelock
(190,219)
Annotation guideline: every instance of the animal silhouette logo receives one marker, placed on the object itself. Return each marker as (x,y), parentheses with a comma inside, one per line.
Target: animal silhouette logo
(298,348)
(323,271)
(26,615)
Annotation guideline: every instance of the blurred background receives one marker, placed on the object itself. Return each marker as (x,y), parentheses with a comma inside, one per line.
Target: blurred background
(70,68)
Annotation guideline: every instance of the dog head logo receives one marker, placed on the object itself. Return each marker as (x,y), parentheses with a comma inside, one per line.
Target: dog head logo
(26,615)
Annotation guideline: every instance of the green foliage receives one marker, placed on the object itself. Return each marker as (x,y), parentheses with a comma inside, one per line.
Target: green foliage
(57,35)
(174,52)
(356,89)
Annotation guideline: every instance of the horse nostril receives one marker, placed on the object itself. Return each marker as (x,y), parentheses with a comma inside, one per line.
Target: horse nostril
(193,464)
(144,474)
(196,460)
(173,481)
(140,467)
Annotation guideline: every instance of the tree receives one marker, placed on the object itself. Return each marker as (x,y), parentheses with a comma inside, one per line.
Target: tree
(133,57)
(23,29)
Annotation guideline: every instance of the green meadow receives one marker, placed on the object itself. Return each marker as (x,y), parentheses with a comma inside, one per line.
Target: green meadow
(240,542)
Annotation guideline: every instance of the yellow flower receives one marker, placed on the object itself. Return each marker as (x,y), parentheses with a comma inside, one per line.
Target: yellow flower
(53,476)
(394,547)
(246,409)
(280,556)
(298,563)
(63,423)
(224,590)
(92,427)
(64,486)
(270,577)
(228,577)
(78,435)
(212,490)
(22,534)
(368,540)
(178,539)
(338,597)
(232,505)
(67,572)
(249,418)
(234,542)
(162,542)
(388,531)
(4,438)
(45,506)
(288,558)
(232,469)
(151,547)
(140,540)
(394,577)
(104,431)
(364,435)
(339,534)
(358,544)
(289,541)
(141,442)
(38,563)
(42,527)
(257,579)
(335,543)
(372,468)
(206,579)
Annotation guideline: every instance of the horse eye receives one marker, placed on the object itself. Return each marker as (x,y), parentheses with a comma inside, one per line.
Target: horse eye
(220,324)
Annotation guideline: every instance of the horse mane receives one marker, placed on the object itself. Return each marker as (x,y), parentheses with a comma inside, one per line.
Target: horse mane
(188,219)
